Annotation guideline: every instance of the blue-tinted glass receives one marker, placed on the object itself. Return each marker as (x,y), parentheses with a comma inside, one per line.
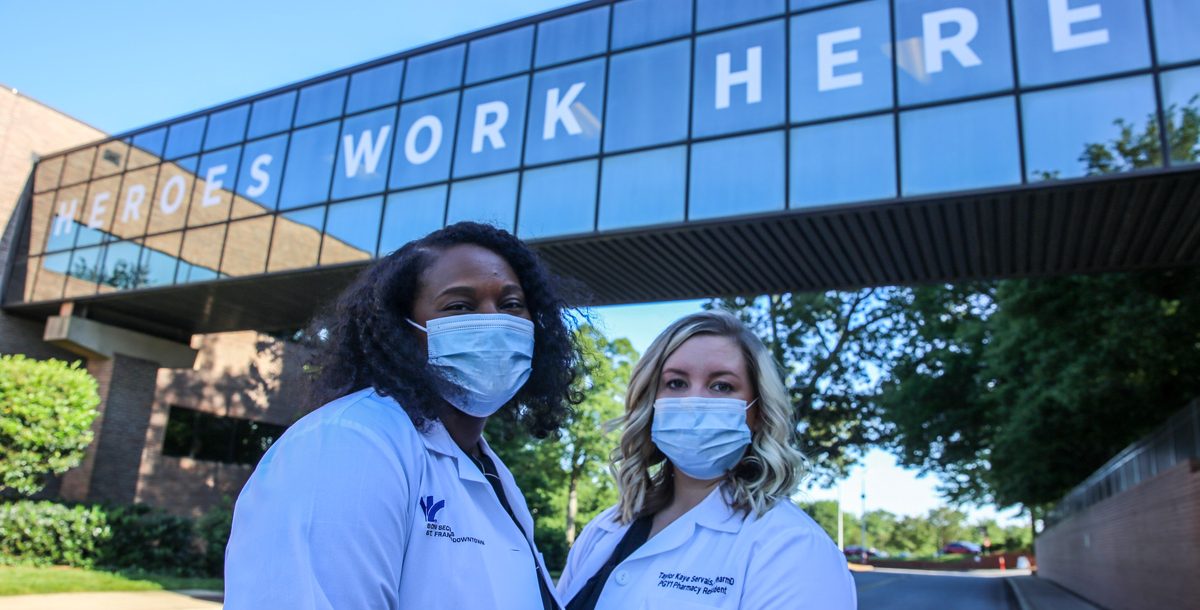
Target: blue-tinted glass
(271,115)
(500,55)
(641,21)
(375,87)
(410,215)
(364,152)
(121,268)
(1061,40)
(151,141)
(565,110)
(422,141)
(959,147)
(226,127)
(355,224)
(97,219)
(184,138)
(491,200)
(952,48)
(297,239)
(58,263)
(200,256)
(558,200)
(309,166)
(739,80)
(843,162)
(321,101)
(85,268)
(840,63)
(1175,29)
(1181,99)
(648,96)
(188,273)
(737,176)
(798,5)
(716,13)
(261,171)
(175,185)
(215,181)
(434,72)
(490,128)
(645,188)
(1078,131)
(64,220)
(158,265)
(571,37)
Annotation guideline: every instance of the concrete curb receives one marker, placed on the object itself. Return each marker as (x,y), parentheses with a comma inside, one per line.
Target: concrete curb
(1022,602)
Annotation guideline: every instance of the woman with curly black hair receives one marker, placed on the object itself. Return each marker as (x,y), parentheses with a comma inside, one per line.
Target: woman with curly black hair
(387,496)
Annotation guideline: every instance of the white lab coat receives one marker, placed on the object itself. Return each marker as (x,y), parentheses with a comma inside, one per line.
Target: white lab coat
(354,508)
(715,557)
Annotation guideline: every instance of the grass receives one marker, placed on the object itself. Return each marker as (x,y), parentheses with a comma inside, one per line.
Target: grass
(25,580)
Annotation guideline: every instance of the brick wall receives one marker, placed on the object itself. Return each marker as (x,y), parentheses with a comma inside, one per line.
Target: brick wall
(1135,550)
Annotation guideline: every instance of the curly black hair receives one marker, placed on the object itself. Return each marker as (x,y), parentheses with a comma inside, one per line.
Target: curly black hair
(364,340)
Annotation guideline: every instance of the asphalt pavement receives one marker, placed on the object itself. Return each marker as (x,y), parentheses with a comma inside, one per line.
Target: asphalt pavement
(911,590)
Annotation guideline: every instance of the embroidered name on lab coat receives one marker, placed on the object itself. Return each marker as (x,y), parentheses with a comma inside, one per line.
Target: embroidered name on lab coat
(694,583)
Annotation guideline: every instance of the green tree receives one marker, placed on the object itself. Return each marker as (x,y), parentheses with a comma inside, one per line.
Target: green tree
(46,413)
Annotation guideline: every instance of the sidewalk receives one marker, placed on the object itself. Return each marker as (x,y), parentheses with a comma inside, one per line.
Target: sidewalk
(128,600)
(1035,593)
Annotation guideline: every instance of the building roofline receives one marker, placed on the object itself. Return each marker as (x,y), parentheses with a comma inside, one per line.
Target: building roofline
(18,93)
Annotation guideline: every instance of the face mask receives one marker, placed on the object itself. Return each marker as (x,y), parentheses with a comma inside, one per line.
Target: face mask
(703,437)
(486,356)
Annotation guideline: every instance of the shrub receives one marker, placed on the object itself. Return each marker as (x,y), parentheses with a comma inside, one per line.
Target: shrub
(150,539)
(213,529)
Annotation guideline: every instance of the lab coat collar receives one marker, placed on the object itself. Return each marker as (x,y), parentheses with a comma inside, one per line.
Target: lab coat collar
(713,512)
(438,440)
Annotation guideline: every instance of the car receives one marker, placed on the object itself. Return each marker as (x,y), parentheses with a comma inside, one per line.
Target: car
(961,548)
(856,552)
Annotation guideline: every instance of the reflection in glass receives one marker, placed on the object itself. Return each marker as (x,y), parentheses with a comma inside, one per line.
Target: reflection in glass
(648,96)
(351,230)
(1093,129)
(1175,33)
(132,207)
(840,63)
(201,254)
(84,272)
(79,166)
(737,176)
(23,280)
(750,92)
(716,13)
(175,181)
(147,148)
(843,162)
(226,127)
(111,159)
(500,55)
(259,177)
(213,192)
(98,213)
(422,149)
(572,37)
(122,267)
(184,138)
(65,219)
(798,5)
(48,172)
(490,200)
(951,48)
(40,211)
(271,115)
(645,188)
(51,277)
(309,166)
(246,246)
(574,96)
(490,127)
(375,87)
(558,200)
(364,153)
(160,256)
(1181,98)
(321,101)
(434,72)
(1060,40)
(297,239)
(638,22)
(959,147)
(410,215)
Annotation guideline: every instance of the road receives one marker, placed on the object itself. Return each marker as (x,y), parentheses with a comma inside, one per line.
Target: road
(911,590)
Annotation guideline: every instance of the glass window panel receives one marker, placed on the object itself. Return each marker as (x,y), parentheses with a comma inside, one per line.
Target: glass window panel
(46,176)
(1181,97)
(410,215)
(65,222)
(365,151)
(111,159)
(253,440)
(309,166)
(180,433)
(1078,131)
(79,166)
(51,277)
(434,72)
(422,149)
(175,181)
(40,212)
(260,176)
(201,254)
(490,128)
(246,246)
(84,272)
(572,37)
(645,188)
(147,148)
(321,101)
(558,200)
(739,80)
(648,96)
(375,87)
(716,13)
(638,22)
(160,257)
(226,127)
(737,176)
(351,230)
(122,267)
(843,162)
(574,96)
(959,147)
(491,200)
(840,62)
(98,213)
(213,192)
(798,5)
(297,239)
(1175,34)
(964,52)
(1061,40)
(271,115)
(500,55)
(184,138)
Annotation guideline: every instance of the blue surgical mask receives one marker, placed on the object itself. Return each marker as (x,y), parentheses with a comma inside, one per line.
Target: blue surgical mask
(703,437)
(487,357)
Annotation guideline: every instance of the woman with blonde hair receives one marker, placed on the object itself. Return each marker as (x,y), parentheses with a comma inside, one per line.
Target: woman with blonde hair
(706,467)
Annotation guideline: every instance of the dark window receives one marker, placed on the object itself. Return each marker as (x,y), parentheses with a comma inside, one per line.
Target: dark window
(204,436)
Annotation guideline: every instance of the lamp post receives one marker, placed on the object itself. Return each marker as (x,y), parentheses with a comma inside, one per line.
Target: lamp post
(864,514)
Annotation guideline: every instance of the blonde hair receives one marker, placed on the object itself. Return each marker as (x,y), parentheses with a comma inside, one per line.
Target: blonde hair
(770,470)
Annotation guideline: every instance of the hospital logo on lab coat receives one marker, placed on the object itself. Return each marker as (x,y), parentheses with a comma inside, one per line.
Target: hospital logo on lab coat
(431,508)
